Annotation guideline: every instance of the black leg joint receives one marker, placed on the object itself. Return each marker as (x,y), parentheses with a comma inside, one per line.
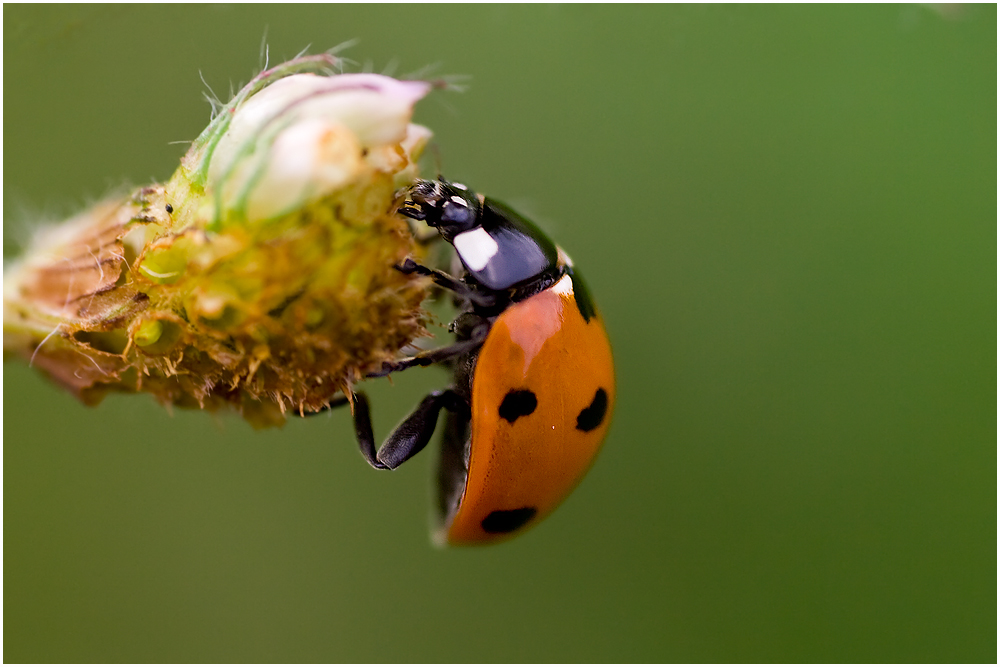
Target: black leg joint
(413,434)
(429,357)
(363,431)
(450,283)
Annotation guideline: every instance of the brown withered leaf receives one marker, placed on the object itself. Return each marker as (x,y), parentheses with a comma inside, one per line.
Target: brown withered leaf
(84,262)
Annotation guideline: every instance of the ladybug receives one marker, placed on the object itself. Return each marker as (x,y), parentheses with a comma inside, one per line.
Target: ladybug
(533,378)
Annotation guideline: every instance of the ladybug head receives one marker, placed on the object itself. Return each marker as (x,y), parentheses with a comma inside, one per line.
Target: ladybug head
(449,207)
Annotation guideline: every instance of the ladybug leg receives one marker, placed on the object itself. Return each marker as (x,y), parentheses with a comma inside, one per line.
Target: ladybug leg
(361,414)
(363,431)
(450,283)
(413,434)
(476,338)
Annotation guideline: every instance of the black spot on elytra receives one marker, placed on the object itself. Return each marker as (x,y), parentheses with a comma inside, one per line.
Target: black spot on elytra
(592,415)
(518,403)
(506,521)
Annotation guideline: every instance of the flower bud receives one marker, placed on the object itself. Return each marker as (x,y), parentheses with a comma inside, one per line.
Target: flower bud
(260,275)
(306,136)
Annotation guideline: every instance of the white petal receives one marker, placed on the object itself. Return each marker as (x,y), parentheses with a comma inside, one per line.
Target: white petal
(306,161)
(302,137)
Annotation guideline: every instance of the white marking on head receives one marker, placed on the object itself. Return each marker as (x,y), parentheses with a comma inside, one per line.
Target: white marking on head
(459,186)
(458,200)
(476,248)
(563,257)
(564,286)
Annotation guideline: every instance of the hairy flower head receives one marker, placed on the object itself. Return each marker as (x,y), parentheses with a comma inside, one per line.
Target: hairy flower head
(260,275)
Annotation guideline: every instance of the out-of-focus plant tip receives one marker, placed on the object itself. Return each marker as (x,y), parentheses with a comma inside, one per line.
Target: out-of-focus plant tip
(260,275)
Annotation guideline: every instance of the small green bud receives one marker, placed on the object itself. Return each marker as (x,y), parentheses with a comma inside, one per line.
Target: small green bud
(148,332)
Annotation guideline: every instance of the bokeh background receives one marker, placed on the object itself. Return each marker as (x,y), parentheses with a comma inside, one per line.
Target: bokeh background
(788,216)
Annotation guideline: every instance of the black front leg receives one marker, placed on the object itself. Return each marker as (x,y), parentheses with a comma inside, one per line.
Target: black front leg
(450,283)
(416,430)
(477,335)
(361,414)
(409,437)
(426,358)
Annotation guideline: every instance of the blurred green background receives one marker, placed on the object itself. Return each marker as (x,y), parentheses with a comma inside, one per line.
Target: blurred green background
(788,216)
